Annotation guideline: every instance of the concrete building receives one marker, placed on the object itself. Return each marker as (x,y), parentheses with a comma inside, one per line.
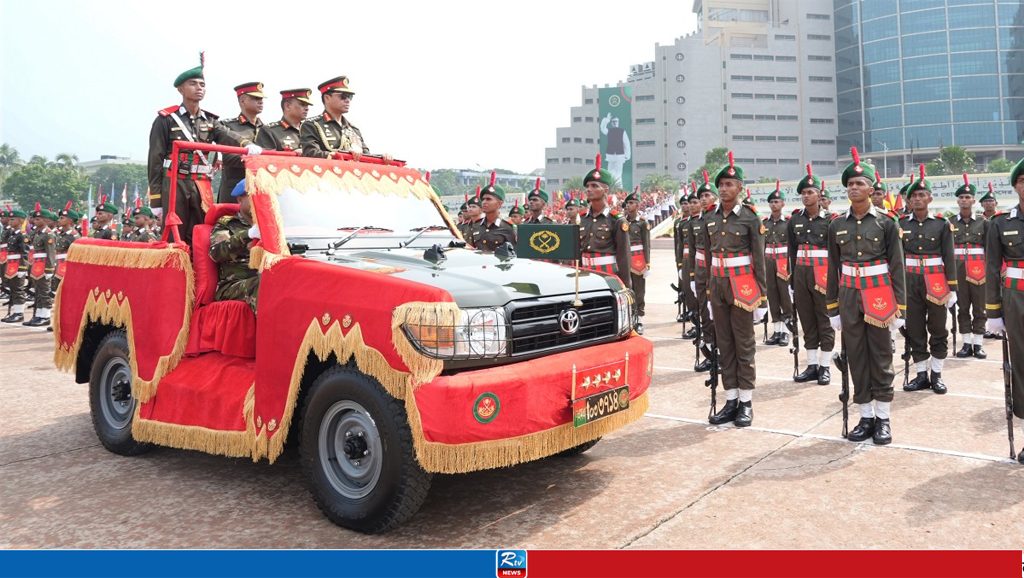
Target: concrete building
(756,77)
(91,167)
(914,75)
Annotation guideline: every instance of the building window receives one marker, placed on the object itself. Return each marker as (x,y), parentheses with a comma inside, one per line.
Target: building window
(822,141)
(577,119)
(821,99)
(590,119)
(589,141)
(819,37)
(763,57)
(743,137)
(826,163)
(765,138)
(764,96)
(680,78)
(743,161)
(645,121)
(766,161)
(823,121)
(819,58)
(742,95)
(789,139)
(785,37)
(785,96)
(789,161)
(588,161)
(644,143)
(646,165)
(566,160)
(819,17)
(577,161)
(577,139)
(741,56)
(764,117)
(553,161)
(565,139)
(786,117)
(785,59)
(681,121)
(740,77)
(785,79)
(764,79)
(743,117)
(820,78)
(680,99)
(680,56)
(681,144)
(588,101)
(645,97)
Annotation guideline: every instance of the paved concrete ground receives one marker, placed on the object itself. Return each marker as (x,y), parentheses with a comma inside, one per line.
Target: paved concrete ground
(667,481)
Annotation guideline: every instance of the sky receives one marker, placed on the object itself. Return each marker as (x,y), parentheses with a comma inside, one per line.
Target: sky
(441,84)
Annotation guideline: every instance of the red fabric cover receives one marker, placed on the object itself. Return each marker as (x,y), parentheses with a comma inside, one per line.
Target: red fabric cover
(225,326)
(206,391)
(296,292)
(220,210)
(533,396)
(206,270)
(156,297)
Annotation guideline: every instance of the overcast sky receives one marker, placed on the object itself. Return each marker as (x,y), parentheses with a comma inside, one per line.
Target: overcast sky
(440,84)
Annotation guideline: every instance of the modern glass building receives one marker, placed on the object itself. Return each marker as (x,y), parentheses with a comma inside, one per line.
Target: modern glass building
(914,75)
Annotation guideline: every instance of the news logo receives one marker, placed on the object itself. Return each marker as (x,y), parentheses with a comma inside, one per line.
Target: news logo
(511,563)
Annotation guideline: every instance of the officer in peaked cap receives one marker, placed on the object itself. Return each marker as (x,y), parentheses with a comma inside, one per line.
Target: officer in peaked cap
(604,233)
(247,124)
(283,135)
(329,134)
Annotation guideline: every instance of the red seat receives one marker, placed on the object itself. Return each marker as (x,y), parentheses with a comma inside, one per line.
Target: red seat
(225,326)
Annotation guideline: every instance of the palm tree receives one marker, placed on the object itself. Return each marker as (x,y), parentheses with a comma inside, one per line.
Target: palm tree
(660,183)
(574,184)
(9,159)
(39,160)
(66,160)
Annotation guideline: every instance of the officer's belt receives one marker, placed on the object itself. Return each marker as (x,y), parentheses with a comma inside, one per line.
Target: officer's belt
(812,254)
(194,169)
(968,249)
(700,257)
(924,264)
(854,270)
(591,261)
(731,261)
(13,257)
(1014,273)
(636,247)
(38,255)
(776,251)
(686,251)
(62,256)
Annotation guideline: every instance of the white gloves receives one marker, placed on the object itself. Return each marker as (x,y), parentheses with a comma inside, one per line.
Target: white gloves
(952,300)
(254,232)
(791,294)
(647,272)
(22,274)
(680,273)
(898,323)
(995,325)
(693,287)
(158,212)
(254,149)
(836,323)
(759,314)
(48,275)
(711,312)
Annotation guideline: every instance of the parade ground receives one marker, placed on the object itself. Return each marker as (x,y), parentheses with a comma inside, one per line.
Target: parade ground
(668,481)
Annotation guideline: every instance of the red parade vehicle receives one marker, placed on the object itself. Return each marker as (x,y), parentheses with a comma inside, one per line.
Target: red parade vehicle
(385,349)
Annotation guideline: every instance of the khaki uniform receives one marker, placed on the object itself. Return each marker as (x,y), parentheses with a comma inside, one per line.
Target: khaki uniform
(854,243)
(639,243)
(969,245)
(322,135)
(234,168)
(229,248)
(488,237)
(43,248)
(1005,295)
(541,221)
(604,243)
(808,245)
(701,267)
(64,239)
(734,246)
(106,232)
(683,240)
(776,243)
(927,249)
(279,136)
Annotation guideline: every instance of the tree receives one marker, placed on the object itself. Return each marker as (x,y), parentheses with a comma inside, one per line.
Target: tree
(659,183)
(9,159)
(446,181)
(120,175)
(952,160)
(68,161)
(999,166)
(49,186)
(714,159)
(39,160)
(762,180)
(574,184)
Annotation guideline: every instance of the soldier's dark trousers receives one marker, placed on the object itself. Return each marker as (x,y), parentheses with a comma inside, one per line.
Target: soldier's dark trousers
(970,303)
(810,308)
(188,204)
(868,350)
(926,322)
(43,299)
(1013,316)
(16,287)
(778,293)
(640,289)
(734,333)
(706,326)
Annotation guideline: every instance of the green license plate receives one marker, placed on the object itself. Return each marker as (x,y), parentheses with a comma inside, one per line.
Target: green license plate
(600,405)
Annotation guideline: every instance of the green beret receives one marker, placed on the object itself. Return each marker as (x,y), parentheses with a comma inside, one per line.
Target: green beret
(108,207)
(493,188)
(707,187)
(966,189)
(634,196)
(1017,170)
(474,200)
(858,169)
(17,214)
(920,184)
(146,211)
(729,171)
(811,180)
(777,194)
(990,194)
(464,207)
(516,210)
(44,213)
(71,214)
(598,175)
(904,188)
(539,193)
(573,201)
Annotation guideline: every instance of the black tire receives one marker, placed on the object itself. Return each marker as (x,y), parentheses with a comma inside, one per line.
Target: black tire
(110,399)
(370,492)
(578,449)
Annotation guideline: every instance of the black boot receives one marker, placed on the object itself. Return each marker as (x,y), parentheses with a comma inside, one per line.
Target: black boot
(990,335)
(937,385)
(864,430)
(703,366)
(883,434)
(639,327)
(680,318)
(13,318)
(691,334)
(773,340)
(918,383)
(979,352)
(745,414)
(727,414)
(966,351)
(1020,456)
(37,322)
(824,377)
(809,374)
(783,339)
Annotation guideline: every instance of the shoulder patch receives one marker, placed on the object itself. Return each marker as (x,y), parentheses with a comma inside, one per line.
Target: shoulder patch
(225,220)
(168,110)
(648,226)
(764,229)
(273,124)
(625,226)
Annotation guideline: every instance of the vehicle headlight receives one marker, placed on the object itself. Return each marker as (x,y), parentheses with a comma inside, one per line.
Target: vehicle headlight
(626,304)
(478,333)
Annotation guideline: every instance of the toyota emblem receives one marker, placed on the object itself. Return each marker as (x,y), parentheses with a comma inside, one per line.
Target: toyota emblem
(569,321)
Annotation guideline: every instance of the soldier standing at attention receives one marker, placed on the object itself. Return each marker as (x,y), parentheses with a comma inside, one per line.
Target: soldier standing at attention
(473,215)
(1005,295)
(515,215)
(42,263)
(878,196)
(105,213)
(491,232)
(572,209)
(734,248)
(248,125)
(682,244)
(5,234)
(142,233)
(777,270)
(808,259)
(604,233)
(931,286)
(65,236)
(229,248)
(283,135)
(708,194)
(187,122)
(537,200)
(639,254)
(329,134)
(989,203)
(16,267)
(969,233)
(865,296)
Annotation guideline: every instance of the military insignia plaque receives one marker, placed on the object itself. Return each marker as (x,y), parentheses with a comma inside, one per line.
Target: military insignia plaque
(549,242)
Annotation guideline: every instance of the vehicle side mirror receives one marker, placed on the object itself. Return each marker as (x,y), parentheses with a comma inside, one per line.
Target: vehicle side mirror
(457,243)
(505,252)
(435,254)
(297,248)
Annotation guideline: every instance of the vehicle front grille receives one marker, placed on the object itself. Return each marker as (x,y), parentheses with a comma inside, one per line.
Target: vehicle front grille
(535,322)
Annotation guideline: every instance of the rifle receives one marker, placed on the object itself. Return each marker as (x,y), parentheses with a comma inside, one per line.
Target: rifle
(712,380)
(794,347)
(843,365)
(952,311)
(681,310)
(764,321)
(697,340)
(906,356)
(1008,389)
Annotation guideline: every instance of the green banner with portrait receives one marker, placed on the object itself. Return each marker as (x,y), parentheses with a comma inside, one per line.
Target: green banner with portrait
(615,120)
(549,242)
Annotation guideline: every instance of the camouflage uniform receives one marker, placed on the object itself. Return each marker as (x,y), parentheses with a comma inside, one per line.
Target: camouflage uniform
(229,248)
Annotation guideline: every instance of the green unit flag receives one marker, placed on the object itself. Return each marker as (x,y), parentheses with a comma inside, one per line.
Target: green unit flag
(548,242)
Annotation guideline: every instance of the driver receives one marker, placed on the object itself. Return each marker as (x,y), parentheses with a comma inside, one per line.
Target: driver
(229,248)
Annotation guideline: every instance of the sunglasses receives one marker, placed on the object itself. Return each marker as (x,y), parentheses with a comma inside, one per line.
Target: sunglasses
(344,95)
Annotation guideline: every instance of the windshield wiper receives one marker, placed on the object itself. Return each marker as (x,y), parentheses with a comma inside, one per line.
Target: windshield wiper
(420,231)
(347,238)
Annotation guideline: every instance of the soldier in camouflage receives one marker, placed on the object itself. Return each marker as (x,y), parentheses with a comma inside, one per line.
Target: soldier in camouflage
(229,248)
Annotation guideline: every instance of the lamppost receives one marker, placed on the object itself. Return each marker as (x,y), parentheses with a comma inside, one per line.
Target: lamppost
(885,161)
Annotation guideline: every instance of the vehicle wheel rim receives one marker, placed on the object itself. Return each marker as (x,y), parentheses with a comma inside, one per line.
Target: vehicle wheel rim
(350,449)
(116,399)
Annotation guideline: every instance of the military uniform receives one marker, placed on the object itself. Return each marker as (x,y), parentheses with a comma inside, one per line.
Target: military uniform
(489,236)
(700,266)
(5,233)
(969,234)
(866,290)
(777,274)
(64,238)
(15,270)
(639,257)
(683,241)
(324,135)
(42,261)
(229,248)
(604,243)
(531,220)
(234,168)
(279,136)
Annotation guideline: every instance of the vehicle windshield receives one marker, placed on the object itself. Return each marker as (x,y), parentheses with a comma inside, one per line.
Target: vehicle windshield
(320,216)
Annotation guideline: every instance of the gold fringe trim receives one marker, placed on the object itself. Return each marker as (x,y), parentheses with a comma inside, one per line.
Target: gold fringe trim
(877,323)
(263,260)
(982,282)
(783,277)
(422,368)
(234,444)
(386,181)
(938,301)
(461,458)
(368,360)
(107,308)
(746,307)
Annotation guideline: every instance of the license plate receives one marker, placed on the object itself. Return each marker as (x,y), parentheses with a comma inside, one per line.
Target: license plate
(599,405)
